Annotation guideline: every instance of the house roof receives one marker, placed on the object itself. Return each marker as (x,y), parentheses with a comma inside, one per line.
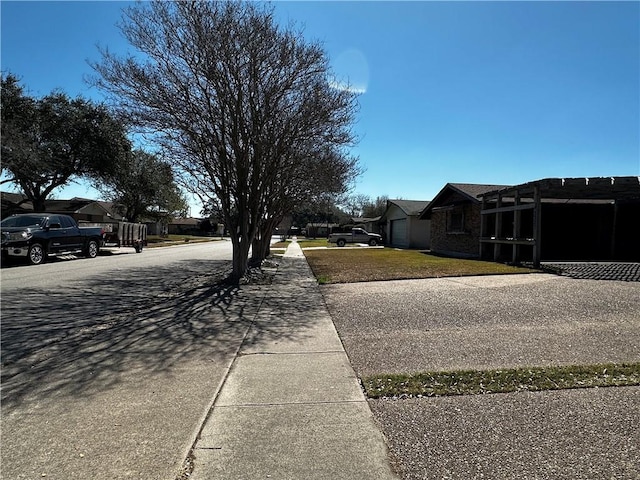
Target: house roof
(70,206)
(190,221)
(473,190)
(12,202)
(470,191)
(74,205)
(579,189)
(591,188)
(410,207)
(13,197)
(365,219)
(82,205)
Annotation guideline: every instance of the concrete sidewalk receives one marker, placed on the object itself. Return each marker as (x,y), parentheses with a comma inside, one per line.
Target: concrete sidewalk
(291,406)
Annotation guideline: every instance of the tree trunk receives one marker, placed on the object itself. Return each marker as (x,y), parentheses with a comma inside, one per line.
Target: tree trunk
(260,250)
(39,204)
(240,258)
(262,244)
(256,259)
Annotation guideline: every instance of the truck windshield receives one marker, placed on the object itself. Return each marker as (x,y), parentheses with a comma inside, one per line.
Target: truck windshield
(23,221)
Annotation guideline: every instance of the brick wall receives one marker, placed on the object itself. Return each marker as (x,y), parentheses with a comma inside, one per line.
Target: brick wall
(465,244)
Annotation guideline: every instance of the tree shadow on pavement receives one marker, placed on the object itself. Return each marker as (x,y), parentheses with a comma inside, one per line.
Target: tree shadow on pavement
(83,338)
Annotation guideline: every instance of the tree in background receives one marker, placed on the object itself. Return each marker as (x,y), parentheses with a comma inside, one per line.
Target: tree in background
(355,204)
(142,186)
(361,205)
(242,105)
(317,177)
(323,210)
(375,208)
(47,143)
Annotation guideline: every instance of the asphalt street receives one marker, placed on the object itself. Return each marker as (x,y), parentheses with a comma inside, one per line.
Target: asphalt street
(109,365)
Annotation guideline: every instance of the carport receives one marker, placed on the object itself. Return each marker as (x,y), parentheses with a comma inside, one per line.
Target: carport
(556,219)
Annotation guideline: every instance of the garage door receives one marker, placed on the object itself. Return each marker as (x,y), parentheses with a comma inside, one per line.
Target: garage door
(399,233)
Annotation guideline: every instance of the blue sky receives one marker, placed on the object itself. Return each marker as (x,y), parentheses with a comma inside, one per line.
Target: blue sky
(463,92)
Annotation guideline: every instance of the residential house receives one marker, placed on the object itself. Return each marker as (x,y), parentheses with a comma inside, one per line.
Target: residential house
(319,230)
(84,210)
(454,214)
(13,203)
(553,219)
(371,225)
(184,226)
(563,219)
(403,226)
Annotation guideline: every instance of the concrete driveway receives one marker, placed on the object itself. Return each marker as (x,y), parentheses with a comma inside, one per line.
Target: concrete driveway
(492,322)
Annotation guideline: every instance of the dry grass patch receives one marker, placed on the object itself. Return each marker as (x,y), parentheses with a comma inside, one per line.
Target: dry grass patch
(158,241)
(472,382)
(373,264)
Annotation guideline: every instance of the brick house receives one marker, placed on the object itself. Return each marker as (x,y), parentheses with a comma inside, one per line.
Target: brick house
(553,219)
(454,214)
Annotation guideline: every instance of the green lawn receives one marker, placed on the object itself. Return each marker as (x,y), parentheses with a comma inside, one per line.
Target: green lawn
(337,265)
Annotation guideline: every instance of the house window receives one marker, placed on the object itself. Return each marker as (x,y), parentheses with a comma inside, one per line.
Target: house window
(455,220)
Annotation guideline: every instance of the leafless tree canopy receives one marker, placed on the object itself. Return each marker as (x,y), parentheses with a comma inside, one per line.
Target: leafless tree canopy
(243,104)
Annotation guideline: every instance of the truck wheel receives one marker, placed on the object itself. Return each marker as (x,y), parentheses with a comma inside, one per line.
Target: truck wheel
(373,242)
(36,255)
(92,249)
(341,242)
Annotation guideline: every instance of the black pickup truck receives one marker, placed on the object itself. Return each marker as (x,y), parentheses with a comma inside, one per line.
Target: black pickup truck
(34,236)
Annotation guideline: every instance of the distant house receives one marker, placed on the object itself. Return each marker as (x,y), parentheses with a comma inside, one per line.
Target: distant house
(184,226)
(84,210)
(454,214)
(553,219)
(319,230)
(12,203)
(403,226)
(371,225)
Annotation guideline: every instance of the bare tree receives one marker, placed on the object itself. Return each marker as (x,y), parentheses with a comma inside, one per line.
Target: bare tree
(356,203)
(376,208)
(237,99)
(309,177)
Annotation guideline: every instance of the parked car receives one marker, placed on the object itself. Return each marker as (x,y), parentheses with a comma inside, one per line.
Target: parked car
(357,235)
(35,236)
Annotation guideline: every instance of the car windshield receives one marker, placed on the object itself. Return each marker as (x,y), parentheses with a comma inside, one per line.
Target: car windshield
(23,221)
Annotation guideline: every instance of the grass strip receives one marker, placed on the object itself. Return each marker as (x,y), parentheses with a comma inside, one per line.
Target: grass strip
(306,243)
(158,241)
(477,382)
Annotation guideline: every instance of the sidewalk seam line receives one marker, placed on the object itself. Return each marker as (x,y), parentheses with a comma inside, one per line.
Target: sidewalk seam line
(211,407)
(310,403)
(314,352)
